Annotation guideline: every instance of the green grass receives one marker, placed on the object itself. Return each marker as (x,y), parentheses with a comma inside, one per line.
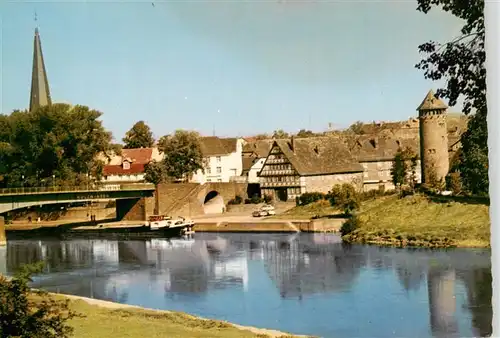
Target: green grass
(319,208)
(420,221)
(101,322)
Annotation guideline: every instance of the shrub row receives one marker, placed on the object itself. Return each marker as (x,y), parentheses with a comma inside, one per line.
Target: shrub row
(256,199)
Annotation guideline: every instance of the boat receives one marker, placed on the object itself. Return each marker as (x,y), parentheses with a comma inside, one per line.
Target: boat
(157,222)
(173,227)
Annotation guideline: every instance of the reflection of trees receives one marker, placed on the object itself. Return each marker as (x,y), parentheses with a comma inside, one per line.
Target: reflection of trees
(410,277)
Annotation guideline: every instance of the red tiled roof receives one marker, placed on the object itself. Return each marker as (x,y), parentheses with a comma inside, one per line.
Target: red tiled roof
(138,155)
(135,168)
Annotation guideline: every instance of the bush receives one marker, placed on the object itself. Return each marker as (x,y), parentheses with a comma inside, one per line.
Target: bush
(256,199)
(350,225)
(345,197)
(310,197)
(454,183)
(236,200)
(268,199)
(31,313)
(297,201)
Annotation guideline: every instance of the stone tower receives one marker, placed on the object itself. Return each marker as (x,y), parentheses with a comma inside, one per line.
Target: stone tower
(40,93)
(433,137)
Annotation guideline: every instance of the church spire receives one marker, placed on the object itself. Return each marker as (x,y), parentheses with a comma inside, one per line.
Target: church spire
(40,93)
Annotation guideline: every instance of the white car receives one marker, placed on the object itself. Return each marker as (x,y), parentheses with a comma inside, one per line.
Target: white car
(265,210)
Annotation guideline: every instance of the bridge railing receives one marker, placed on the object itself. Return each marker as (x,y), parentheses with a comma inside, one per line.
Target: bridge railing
(89,188)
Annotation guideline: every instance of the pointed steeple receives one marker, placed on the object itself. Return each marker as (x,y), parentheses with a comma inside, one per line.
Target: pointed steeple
(431,102)
(40,93)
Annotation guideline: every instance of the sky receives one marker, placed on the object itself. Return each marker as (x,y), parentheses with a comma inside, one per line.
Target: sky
(238,68)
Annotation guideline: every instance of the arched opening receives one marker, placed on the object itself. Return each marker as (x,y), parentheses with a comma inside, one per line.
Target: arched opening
(213,203)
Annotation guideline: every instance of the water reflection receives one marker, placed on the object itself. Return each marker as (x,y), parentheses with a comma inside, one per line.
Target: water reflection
(225,276)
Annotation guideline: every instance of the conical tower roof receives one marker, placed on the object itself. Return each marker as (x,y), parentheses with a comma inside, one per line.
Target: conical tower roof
(431,102)
(40,92)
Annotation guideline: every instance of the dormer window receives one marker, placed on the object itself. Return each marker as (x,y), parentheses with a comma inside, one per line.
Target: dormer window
(126,165)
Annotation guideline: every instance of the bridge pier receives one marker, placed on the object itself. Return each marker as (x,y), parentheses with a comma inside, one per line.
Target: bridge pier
(3,237)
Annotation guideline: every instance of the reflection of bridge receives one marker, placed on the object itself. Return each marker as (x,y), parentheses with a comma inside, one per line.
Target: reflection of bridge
(18,198)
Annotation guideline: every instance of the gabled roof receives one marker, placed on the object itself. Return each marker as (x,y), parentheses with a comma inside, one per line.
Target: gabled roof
(318,156)
(431,102)
(247,163)
(213,145)
(260,147)
(373,149)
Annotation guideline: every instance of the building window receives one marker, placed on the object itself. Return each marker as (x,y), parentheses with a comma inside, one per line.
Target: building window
(208,171)
(218,159)
(209,180)
(219,180)
(126,165)
(219,169)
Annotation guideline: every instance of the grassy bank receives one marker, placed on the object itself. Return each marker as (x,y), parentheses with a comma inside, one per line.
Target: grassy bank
(422,221)
(317,209)
(105,319)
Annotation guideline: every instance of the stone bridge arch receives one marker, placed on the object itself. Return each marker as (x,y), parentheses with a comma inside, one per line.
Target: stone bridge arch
(213,202)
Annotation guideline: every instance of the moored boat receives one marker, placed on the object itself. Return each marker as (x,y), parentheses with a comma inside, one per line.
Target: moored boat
(157,222)
(172,227)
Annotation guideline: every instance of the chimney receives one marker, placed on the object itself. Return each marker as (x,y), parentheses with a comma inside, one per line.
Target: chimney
(292,143)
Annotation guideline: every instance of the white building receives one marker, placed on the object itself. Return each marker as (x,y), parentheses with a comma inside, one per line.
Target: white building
(254,157)
(223,158)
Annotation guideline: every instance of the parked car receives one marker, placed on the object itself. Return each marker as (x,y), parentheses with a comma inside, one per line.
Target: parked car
(265,210)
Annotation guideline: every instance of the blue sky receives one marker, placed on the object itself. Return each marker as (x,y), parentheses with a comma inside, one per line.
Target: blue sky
(241,67)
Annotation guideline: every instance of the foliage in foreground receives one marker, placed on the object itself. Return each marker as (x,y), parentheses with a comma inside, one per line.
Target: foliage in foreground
(32,313)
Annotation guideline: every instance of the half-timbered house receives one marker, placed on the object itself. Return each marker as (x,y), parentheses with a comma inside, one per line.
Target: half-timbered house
(301,165)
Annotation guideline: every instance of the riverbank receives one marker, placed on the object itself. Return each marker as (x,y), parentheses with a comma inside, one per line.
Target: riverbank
(422,221)
(107,319)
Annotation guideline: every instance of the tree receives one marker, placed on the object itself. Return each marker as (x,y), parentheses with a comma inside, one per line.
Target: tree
(139,136)
(461,63)
(59,140)
(305,133)
(31,313)
(345,197)
(262,137)
(155,173)
(356,128)
(183,155)
(404,166)
(280,134)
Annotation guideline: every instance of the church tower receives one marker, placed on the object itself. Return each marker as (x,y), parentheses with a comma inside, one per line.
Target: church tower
(433,138)
(40,93)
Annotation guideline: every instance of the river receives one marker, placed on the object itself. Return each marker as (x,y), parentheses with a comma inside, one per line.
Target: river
(301,283)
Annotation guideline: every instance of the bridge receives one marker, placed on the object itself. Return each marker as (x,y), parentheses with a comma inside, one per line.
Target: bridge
(18,198)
